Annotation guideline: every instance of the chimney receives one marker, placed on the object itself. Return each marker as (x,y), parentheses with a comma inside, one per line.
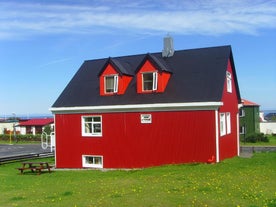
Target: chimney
(168,47)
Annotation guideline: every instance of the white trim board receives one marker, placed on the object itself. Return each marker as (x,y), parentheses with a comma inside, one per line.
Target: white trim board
(139,107)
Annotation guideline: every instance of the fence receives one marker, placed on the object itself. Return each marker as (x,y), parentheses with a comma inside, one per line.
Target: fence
(268,127)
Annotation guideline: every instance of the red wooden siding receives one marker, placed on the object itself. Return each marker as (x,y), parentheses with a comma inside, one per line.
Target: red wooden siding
(163,78)
(123,81)
(228,145)
(172,137)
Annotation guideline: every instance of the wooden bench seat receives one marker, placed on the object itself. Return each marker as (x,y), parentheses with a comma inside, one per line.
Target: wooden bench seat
(35,167)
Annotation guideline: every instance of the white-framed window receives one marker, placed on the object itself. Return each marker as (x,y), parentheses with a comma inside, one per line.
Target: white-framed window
(242,130)
(111,84)
(242,113)
(149,81)
(229,82)
(228,122)
(222,124)
(145,118)
(91,125)
(225,123)
(94,161)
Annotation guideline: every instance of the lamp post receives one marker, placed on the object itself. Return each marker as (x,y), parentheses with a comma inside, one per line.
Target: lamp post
(14,131)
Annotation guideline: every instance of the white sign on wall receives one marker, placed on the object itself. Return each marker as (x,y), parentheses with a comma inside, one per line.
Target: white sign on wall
(145,118)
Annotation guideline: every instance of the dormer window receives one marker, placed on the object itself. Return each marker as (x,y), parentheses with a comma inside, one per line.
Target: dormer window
(150,81)
(153,75)
(111,84)
(114,78)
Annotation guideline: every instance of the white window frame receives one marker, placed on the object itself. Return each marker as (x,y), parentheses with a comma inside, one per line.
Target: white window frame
(115,84)
(241,113)
(228,123)
(229,81)
(242,130)
(92,123)
(92,161)
(154,81)
(222,123)
(146,118)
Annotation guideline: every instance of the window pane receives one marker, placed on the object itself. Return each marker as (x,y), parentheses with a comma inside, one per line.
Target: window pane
(109,84)
(88,119)
(97,128)
(88,128)
(229,82)
(97,160)
(222,124)
(147,81)
(89,160)
(154,87)
(115,84)
(97,119)
(228,122)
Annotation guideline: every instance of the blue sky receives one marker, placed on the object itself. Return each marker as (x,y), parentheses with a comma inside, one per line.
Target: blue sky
(44,42)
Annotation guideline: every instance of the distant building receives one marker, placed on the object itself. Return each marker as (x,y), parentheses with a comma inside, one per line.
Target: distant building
(249,118)
(35,126)
(8,126)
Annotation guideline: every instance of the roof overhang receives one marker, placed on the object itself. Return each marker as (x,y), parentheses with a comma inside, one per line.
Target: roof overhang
(192,106)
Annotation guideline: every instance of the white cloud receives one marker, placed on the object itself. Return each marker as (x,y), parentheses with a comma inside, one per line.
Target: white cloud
(214,17)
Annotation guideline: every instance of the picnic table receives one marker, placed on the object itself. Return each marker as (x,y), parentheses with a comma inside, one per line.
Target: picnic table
(35,167)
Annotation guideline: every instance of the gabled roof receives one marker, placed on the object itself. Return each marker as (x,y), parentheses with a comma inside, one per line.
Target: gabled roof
(120,67)
(248,103)
(159,63)
(37,122)
(197,75)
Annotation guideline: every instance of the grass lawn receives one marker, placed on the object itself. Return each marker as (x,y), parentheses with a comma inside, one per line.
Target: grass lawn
(234,182)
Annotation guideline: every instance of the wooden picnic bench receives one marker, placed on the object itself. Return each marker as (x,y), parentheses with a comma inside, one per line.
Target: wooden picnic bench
(35,167)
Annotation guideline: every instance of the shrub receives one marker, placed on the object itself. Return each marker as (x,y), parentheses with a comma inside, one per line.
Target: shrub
(21,138)
(256,137)
(251,138)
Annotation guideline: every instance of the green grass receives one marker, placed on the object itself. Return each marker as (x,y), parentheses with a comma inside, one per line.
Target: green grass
(245,182)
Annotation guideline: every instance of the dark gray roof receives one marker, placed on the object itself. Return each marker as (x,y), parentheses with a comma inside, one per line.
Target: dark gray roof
(121,67)
(158,62)
(197,75)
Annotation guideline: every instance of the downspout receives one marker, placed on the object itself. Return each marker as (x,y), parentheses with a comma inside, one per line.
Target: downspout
(238,134)
(217,135)
(55,140)
(238,129)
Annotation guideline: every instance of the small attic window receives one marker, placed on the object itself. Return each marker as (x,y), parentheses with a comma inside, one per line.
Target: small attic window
(229,82)
(149,81)
(111,84)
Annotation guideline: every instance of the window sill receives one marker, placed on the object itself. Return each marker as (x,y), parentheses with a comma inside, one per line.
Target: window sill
(93,136)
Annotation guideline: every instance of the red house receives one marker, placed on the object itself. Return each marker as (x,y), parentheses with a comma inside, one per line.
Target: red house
(148,110)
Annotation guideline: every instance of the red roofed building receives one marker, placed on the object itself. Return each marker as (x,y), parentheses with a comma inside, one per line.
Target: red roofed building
(248,103)
(35,126)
